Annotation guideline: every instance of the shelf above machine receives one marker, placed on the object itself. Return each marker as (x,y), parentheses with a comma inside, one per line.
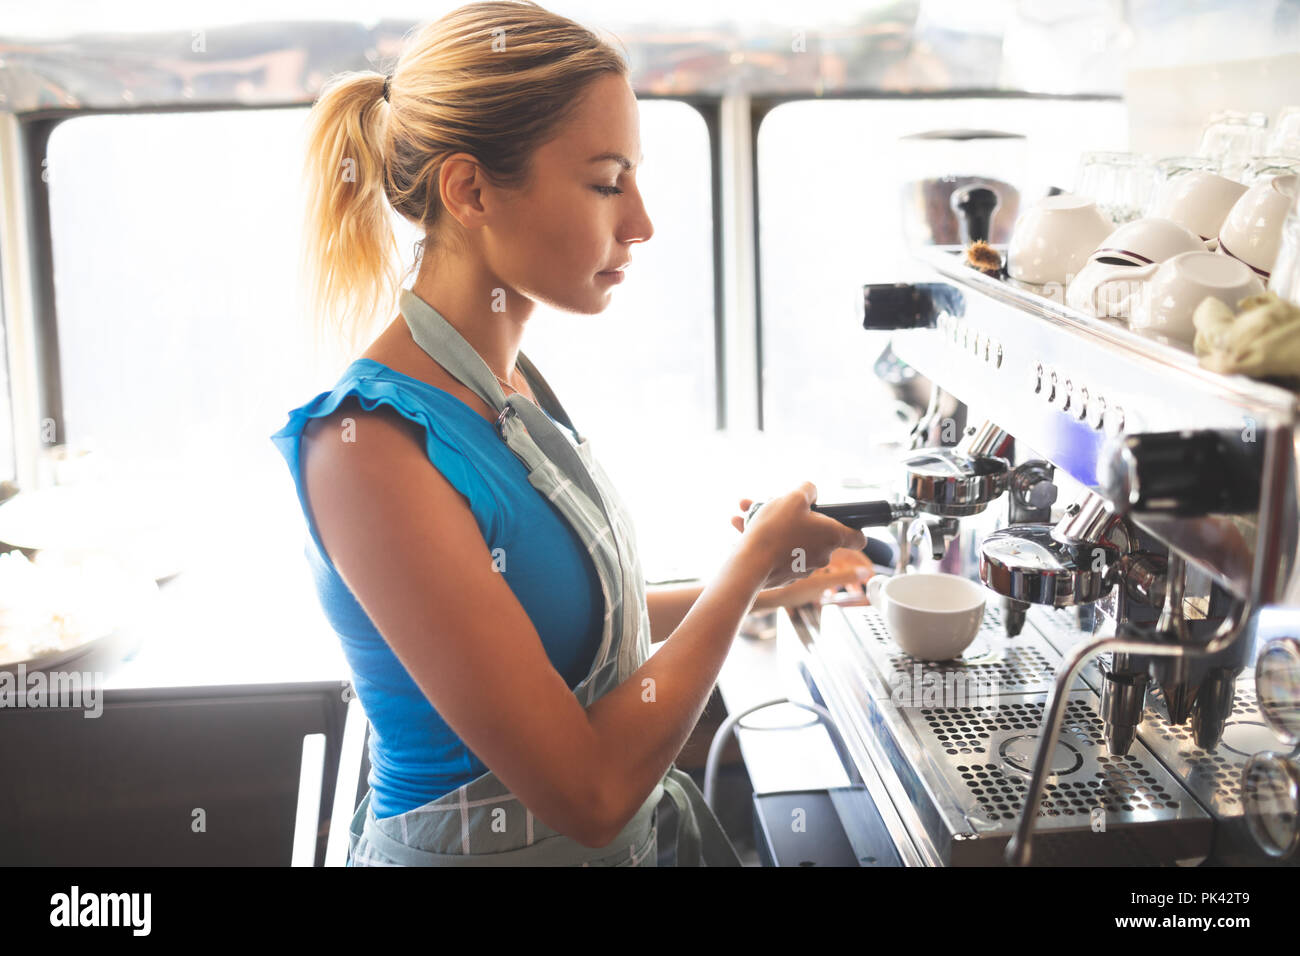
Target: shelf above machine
(1047,303)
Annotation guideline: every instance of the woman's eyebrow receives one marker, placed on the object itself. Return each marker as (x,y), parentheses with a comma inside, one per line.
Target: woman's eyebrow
(616,157)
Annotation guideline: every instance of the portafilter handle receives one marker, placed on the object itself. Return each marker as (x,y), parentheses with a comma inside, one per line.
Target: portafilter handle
(855,514)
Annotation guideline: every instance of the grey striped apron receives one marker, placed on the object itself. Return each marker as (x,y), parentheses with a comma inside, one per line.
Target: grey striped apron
(482,823)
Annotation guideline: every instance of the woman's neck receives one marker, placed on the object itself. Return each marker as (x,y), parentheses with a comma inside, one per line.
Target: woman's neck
(487,314)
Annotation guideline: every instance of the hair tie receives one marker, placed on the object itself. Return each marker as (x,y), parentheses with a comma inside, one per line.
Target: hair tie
(387,81)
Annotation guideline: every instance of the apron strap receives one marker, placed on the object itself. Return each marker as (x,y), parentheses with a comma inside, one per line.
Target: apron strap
(545,396)
(446,346)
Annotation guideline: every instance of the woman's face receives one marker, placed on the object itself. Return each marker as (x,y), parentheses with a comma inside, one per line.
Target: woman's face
(581,214)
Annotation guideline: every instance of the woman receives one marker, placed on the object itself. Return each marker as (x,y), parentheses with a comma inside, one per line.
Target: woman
(478,566)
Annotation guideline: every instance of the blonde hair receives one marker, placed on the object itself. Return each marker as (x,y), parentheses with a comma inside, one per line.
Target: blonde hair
(495,79)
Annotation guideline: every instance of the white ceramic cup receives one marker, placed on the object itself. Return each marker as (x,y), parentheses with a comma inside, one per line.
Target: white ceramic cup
(1052,240)
(1197,199)
(1144,241)
(1105,286)
(1252,231)
(932,617)
(1105,289)
(1173,289)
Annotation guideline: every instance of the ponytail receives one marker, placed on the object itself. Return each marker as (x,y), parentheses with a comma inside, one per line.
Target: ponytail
(350,256)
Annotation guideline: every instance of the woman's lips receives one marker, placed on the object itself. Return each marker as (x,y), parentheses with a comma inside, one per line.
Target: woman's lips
(615,276)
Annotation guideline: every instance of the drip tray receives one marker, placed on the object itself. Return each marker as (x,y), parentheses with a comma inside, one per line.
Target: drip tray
(1214,776)
(993,664)
(965,763)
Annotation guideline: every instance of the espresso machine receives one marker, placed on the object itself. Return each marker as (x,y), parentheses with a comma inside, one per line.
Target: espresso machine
(1131,696)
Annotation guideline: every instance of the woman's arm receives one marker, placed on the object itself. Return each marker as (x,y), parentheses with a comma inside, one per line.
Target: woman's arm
(669,605)
(408,547)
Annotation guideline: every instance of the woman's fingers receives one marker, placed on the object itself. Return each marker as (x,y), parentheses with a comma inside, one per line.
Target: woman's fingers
(738,521)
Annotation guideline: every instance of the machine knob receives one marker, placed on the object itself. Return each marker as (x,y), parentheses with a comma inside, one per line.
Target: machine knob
(1182,473)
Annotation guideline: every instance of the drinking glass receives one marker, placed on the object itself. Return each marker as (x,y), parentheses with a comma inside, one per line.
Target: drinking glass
(1233,139)
(1119,183)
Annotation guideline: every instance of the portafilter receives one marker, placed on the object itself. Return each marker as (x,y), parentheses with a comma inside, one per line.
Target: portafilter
(948,483)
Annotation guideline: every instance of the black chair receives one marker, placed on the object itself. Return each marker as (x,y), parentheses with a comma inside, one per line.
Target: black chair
(199,776)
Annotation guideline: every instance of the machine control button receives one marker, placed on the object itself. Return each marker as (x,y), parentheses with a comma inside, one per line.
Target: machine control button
(1081,403)
(1096,411)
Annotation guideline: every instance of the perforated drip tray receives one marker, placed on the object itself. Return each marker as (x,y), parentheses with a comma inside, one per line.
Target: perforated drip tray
(1214,776)
(1024,664)
(965,762)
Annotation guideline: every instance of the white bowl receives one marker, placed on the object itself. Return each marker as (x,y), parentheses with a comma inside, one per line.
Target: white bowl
(1052,240)
(1176,287)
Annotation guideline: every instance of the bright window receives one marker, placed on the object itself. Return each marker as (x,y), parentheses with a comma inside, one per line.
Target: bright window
(175,240)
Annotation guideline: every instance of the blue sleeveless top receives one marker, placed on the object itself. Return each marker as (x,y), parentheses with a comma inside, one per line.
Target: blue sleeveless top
(415,757)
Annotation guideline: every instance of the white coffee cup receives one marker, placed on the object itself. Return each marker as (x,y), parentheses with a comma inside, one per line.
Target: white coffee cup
(1197,199)
(932,617)
(1147,240)
(1173,289)
(1105,285)
(1104,289)
(1253,230)
(1052,240)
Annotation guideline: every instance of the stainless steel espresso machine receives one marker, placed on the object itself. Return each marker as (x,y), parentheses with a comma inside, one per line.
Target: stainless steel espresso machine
(1134,692)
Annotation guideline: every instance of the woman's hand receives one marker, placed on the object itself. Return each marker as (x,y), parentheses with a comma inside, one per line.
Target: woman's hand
(832,551)
(847,569)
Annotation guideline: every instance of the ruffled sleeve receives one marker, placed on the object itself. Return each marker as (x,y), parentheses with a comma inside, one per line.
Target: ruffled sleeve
(444,441)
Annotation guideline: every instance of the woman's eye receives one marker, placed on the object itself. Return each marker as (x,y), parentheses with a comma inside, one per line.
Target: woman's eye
(608,190)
